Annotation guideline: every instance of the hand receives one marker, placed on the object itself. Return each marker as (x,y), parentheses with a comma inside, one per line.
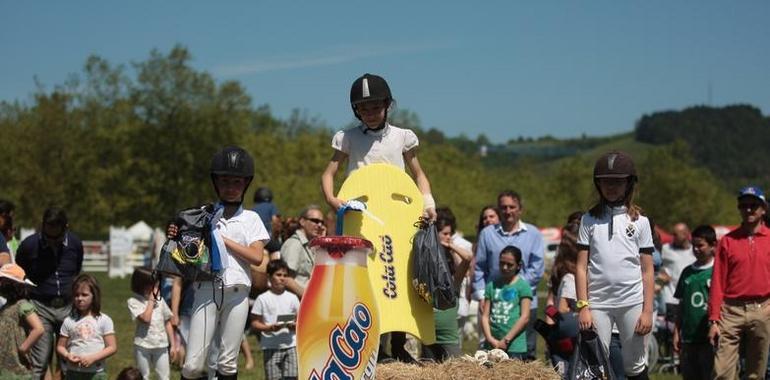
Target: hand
(494,343)
(336,203)
(72,358)
(676,342)
(174,320)
(26,359)
(644,324)
(276,327)
(585,320)
(430,214)
(174,351)
(291,326)
(86,361)
(172,231)
(714,334)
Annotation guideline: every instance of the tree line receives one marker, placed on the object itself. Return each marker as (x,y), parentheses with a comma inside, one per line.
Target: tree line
(115,144)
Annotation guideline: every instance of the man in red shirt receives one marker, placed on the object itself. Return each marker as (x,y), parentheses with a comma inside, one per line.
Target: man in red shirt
(739,300)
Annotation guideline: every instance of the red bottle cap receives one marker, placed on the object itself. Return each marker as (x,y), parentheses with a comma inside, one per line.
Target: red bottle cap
(337,246)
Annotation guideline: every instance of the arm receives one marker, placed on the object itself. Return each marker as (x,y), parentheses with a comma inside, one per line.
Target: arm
(461,265)
(676,339)
(5,258)
(410,157)
(549,301)
(251,254)
(480,268)
(146,315)
(716,293)
(535,267)
(291,251)
(520,324)
(259,324)
(485,325)
(171,341)
(581,287)
(327,180)
(80,252)
(176,299)
(644,325)
(36,330)
(61,349)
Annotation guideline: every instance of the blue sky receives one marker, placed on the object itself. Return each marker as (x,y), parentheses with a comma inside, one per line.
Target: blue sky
(502,68)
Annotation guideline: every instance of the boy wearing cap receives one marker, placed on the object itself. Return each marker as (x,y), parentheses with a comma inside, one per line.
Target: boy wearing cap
(740,291)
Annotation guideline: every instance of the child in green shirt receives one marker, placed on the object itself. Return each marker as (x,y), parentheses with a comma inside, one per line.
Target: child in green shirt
(502,321)
(696,354)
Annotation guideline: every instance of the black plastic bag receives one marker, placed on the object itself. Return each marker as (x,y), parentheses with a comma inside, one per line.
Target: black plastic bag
(188,255)
(590,361)
(432,277)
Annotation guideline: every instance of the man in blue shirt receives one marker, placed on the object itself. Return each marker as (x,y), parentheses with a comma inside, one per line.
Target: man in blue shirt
(524,236)
(52,258)
(268,212)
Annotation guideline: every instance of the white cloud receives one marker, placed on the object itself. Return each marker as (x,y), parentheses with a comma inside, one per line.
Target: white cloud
(337,55)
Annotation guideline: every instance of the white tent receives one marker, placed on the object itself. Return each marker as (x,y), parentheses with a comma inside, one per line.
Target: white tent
(140,231)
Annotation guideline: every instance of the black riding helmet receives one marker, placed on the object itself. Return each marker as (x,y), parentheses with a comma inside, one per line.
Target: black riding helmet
(369,87)
(263,195)
(232,161)
(616,164)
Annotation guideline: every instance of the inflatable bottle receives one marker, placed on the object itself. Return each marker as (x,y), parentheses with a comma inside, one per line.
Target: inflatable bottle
(338,330)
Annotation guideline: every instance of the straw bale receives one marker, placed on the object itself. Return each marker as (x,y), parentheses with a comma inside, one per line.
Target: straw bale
(467,369)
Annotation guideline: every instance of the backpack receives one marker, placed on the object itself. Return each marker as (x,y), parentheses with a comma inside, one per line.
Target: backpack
(188,255)
(432,276)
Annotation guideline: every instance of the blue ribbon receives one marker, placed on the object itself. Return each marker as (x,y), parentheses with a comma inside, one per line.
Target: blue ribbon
(353,205)
(216,260)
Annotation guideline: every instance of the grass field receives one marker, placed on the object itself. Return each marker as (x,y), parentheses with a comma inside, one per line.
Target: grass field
(116,291)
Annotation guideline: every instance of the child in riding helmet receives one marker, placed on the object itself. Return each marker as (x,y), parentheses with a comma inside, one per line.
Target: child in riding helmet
(374,141)
(614,272)
(220,307)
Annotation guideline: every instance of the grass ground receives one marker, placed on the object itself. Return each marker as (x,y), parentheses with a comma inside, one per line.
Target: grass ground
(116,291)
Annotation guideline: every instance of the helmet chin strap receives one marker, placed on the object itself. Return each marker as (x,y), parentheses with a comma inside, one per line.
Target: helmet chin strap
(379,127)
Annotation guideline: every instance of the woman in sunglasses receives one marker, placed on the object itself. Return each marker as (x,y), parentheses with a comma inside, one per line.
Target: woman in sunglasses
(295,251)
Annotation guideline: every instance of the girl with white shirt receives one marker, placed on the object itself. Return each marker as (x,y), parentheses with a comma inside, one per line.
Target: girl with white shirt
(154,333)
(221,307)
(614,275)
(376,141)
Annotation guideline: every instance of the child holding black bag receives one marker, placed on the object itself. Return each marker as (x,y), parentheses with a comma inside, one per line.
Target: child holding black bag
(614,276)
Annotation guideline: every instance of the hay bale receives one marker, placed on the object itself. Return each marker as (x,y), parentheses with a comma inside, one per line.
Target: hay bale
(463,369)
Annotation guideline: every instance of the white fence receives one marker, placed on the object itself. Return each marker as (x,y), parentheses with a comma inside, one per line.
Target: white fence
(96,256)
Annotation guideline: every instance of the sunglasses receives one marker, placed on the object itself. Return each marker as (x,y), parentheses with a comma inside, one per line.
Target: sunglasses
(749,205)
(315,220)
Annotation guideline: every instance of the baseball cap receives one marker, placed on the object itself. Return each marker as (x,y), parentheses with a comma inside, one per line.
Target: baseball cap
(753,191)
(15,273)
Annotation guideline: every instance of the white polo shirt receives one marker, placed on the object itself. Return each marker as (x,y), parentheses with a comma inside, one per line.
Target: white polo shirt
(245,228)
(365,147)
(614,265)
